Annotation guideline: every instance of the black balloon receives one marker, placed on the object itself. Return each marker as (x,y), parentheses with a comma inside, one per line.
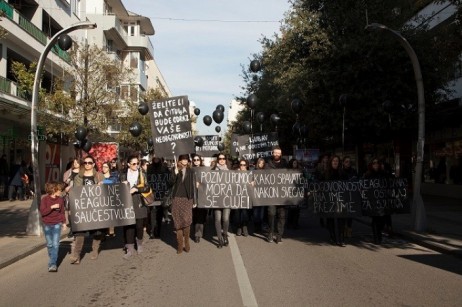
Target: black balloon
(252,101)
(343,100)
(221,108)
(65,42)
(197,111)
(260,117)
(207,120)
(296,128)
(86,145)
(247,127)
(198,141)
(387,106)
(275,119)
(143,108)
(80,133)
(218,116)
(150,142)
(218,129)
(221,146)
(296,105)
(135,129)
(255,66)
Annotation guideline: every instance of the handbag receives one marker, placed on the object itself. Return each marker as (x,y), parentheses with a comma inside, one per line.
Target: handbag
(147,197)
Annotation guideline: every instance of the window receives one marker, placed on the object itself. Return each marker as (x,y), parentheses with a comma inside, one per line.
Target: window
(134,59)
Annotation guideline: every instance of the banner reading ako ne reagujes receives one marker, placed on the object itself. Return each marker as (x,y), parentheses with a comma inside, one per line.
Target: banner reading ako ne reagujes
(100,206)
(171,126)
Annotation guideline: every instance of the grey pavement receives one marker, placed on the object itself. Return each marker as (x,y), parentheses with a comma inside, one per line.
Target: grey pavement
(444,228)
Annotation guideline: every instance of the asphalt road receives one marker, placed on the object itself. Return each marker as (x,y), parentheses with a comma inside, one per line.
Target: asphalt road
(302,271)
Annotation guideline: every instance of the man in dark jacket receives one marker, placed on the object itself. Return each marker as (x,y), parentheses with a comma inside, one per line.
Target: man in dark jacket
(276,162)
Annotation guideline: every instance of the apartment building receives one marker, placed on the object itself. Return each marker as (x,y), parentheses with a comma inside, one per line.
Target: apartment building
(30,25)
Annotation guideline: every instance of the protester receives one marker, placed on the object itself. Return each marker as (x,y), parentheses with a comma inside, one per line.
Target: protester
(293,213)
(277,162)
(350,174)
(375,172)
(87,176)
(199,214)
(109,178)
(115,172)
(160,210)
(68,179)
(53,218)
(336,226)
(183,193)
(241,216)
(258,212)
(151,214)
(135,232)
(221,215)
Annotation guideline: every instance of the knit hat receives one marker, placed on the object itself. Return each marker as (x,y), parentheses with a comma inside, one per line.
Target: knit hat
(183,157)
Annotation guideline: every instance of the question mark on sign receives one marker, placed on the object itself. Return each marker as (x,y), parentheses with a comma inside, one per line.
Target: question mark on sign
(173,145)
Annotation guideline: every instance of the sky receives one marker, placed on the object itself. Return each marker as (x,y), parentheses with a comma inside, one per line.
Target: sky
(199,47)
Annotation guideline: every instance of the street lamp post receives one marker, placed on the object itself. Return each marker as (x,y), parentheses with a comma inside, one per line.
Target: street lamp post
(418,205)
(33,223)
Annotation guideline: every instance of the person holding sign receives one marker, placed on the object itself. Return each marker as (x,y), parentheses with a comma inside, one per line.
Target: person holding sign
(109,178)
(276,162)
(183,194)
(374,171)
(132,177)
(53,217)
(336,226)
(87,176)
(258,212)
(242,215)
(221,215)
(199,214)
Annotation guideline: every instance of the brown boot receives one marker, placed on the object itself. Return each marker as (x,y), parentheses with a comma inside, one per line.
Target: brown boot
(186,232)
(179,239)
(78,245)
(95,249)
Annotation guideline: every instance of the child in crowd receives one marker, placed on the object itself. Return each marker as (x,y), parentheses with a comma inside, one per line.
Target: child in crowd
(53,217)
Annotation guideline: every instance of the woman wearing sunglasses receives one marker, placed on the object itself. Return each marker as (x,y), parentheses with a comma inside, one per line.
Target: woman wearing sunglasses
(241,216)
(221,215)
(87,176)
(133,233)
(199,214)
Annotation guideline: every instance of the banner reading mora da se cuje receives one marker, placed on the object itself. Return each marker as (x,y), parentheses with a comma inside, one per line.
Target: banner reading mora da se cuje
(100,206)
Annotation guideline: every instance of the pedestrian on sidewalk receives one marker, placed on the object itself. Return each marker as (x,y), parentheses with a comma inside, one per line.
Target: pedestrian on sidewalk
(199,214)
(53,217)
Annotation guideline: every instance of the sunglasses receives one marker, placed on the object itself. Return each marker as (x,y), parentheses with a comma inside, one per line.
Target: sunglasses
(196,160)
(88,163)
(135,163)
(113,162)
(242,164)
(221,158)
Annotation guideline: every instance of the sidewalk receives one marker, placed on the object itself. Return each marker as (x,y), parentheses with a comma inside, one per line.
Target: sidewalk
(444,228)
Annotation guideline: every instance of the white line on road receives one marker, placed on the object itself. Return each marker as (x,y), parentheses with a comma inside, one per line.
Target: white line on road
(248,297)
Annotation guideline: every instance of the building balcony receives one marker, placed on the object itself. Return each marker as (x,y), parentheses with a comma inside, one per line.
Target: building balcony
(112,27)
(141,43)
(23,23)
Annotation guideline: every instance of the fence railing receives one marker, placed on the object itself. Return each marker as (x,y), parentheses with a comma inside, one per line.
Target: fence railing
(8,9)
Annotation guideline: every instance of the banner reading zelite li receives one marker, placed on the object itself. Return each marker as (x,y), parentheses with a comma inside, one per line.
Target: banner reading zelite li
(171,127)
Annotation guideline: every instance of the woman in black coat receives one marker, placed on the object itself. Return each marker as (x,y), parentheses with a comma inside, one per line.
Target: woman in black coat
(183,196)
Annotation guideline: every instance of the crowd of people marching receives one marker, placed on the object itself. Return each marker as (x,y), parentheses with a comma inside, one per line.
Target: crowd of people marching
(180,203)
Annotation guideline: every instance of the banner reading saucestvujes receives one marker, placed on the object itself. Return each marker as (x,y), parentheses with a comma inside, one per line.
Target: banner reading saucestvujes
(242,190)
(101,206)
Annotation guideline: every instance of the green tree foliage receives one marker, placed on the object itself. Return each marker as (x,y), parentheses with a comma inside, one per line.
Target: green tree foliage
(324,51)
(3,31)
